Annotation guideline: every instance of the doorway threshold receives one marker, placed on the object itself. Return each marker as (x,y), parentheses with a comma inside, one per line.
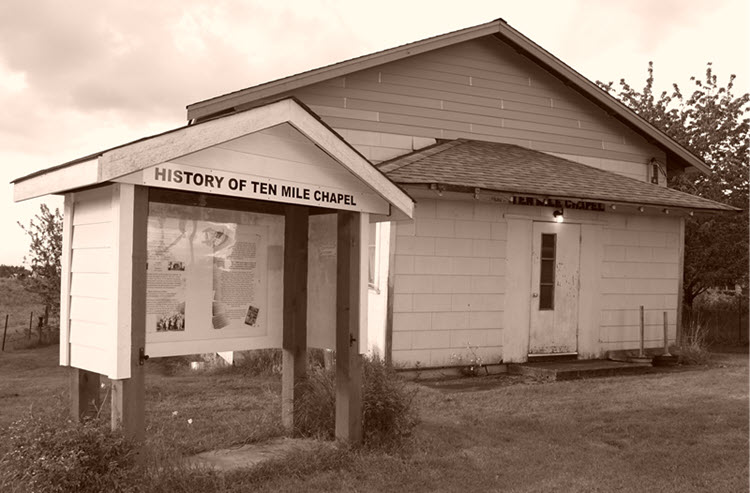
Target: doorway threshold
(551,357)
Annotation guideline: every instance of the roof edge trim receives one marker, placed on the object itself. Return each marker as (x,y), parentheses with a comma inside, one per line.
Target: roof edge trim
(597,95)
(208,107)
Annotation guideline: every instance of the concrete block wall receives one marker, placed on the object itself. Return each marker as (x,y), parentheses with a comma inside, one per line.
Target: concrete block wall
(640,267)
(449,284)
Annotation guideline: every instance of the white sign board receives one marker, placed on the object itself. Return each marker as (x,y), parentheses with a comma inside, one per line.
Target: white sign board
(204,180)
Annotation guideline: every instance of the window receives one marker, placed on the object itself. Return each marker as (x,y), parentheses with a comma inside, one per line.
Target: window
(547,273)
(655,173)
(372,254)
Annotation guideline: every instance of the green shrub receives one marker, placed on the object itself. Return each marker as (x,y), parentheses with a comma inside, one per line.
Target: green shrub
(47,455)
(388,415)
(693,348)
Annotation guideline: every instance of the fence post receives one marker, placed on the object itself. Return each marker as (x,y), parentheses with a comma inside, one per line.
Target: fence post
(641,354)
(5,331)
(739,318)
(31,321)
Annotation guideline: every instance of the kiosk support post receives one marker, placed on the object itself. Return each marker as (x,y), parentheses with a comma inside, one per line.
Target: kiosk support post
(128,395)
(294,337)
(85,399)
(348,359)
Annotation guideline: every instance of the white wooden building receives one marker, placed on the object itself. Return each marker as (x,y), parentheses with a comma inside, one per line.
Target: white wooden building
(482,127)
(492,137)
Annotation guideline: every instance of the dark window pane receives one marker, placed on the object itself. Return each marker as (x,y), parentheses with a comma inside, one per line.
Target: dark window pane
(547,297)
(548,271)
(548,246)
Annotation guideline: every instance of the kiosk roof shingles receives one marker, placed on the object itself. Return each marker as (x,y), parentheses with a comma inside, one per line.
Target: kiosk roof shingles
(514,169)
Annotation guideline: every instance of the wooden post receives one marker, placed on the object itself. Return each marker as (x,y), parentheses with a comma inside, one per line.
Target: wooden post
(5,331)
(128,395)
(31,321)
(294,337)
(641,354)
(85,399)
(348,359)
(666,336)
(738,295)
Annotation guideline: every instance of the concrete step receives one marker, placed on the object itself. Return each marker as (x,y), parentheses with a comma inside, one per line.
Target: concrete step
(572,370)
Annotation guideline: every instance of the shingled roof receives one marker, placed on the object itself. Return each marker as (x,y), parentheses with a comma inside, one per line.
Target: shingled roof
(518,170)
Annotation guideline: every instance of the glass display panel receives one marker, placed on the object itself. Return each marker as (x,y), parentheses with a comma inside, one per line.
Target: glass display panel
(206,273)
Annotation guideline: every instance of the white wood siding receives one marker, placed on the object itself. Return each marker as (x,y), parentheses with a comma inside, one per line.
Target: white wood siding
(463,277)
(640,267)
(450,283)
(92,294)
(479,89)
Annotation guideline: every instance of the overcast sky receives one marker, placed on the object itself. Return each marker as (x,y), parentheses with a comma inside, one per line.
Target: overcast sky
(80,76)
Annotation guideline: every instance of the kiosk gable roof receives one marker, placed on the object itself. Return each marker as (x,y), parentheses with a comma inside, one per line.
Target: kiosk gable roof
(125,160)
(514,169)
(498,29)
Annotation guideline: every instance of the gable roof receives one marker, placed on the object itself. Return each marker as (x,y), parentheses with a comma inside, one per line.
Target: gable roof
(518,170)
(499,29)
(123,160)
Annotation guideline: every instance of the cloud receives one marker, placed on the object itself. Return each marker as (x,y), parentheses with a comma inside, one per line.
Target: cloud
(139,61)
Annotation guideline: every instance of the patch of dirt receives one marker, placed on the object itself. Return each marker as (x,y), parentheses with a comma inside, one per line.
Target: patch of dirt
(474,384)
(253,454)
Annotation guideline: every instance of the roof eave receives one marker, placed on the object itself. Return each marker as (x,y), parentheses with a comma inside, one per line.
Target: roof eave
(129,158)
(470,189)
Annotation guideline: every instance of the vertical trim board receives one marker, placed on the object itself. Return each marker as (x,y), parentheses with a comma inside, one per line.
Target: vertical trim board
(65,266)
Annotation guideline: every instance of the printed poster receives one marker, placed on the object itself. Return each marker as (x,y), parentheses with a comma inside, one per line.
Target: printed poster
(206,276)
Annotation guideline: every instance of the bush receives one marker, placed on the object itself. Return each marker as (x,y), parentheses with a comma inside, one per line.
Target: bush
(388,415)
(693,349)
(47,455)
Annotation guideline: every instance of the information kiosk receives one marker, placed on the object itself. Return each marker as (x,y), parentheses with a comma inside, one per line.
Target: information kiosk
(197,241)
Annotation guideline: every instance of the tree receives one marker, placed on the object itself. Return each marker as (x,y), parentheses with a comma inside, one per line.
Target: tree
(45,232)
(711,124)
(13,271)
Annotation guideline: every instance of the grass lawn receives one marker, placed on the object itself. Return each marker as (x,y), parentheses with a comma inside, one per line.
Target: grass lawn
(681,431)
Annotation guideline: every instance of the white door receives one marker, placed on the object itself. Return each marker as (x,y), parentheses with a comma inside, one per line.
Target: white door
(555,267)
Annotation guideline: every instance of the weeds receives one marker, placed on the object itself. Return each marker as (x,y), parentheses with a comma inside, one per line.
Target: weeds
(693,349)
(471,365)
(388,414)
(47,455)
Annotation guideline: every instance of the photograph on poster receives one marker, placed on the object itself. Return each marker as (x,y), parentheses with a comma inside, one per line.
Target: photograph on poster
(206,274)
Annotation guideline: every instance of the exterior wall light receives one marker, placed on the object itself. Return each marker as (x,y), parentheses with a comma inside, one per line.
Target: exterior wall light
(666,211)
(558,215)
(640,209)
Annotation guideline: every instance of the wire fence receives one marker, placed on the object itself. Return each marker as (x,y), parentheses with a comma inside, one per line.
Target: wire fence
(720,325)
(30,332)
